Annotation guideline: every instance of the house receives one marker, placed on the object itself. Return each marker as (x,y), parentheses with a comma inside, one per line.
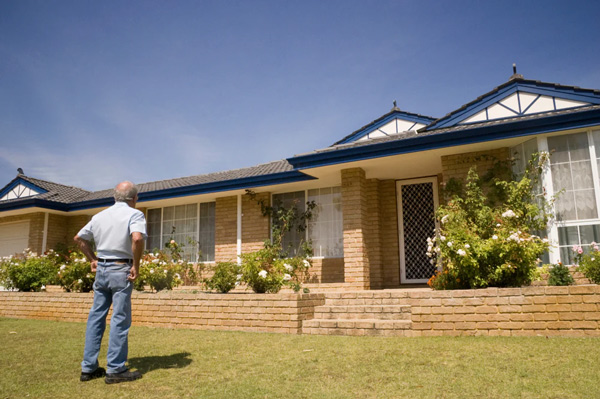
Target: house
(376,188)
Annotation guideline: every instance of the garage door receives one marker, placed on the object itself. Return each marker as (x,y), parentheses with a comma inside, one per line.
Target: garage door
(14,238)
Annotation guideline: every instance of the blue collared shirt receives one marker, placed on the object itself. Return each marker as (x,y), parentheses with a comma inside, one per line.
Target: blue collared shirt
(111,230)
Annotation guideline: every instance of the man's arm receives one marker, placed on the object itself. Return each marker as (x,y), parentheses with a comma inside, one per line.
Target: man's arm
(137,247)
(86,248)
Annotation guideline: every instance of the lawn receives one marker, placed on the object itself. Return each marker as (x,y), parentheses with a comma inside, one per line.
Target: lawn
(40,359)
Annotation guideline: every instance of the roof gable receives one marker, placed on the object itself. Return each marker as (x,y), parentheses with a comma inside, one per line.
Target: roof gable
(516,98)
(393,123)
(20,188)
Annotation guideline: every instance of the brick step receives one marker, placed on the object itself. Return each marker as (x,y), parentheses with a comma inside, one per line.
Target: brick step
(365,301)
(378,312)
(373,327)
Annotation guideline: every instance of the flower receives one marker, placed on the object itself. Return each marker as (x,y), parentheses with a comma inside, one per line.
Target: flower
(165,271)
(461,252)
(63,267)
(155,261)
(262,273)
(287,277)
(450,244)
(239,277)
(306,263)
(151,271)
(444,219)
(442,238)
(80,281)
(509,214)
(173,242)
(288,267)
(578,249)
(494,237)
(467,246)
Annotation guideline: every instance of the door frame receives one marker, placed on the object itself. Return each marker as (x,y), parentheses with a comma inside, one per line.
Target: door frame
(436,200)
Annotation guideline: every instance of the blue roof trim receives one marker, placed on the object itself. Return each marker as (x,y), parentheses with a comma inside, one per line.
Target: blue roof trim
(448,139)
(384,121)
(206,188)
(32,202)
(511,88)
(16,181)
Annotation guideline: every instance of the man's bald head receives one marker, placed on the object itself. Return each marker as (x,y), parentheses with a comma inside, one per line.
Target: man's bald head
(125,191)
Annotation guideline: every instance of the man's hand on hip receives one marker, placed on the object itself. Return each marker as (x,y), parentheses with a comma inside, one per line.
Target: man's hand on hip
(133,274)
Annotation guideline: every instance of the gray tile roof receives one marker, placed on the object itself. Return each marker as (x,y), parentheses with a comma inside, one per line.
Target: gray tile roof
(68,194)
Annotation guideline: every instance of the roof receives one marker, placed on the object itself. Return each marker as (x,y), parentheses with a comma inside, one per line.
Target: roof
(566,107)
(67,198)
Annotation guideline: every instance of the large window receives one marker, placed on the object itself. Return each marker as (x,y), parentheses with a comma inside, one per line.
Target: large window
(192,226)
(571,169)
(325,229)
(574,165)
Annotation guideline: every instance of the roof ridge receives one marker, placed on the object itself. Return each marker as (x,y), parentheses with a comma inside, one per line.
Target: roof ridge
(29,178)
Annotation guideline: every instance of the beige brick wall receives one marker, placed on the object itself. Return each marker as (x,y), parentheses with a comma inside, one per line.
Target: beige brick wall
(255,226)
(226,229)
(389,240)
(458,165)
(57,231)
(280,313)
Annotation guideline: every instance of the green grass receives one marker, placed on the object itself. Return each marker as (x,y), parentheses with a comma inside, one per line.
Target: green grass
(40,359)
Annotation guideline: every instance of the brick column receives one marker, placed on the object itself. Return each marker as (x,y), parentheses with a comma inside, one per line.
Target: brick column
(389,241)
(226,229)
(355,208)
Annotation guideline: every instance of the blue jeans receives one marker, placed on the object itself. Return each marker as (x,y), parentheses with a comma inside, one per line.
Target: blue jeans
(110,287)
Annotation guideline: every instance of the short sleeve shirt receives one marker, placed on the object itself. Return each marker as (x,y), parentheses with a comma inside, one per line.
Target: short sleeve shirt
(111,230)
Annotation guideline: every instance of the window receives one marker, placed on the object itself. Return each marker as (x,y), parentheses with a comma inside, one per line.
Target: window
(576,235)
(325,229)
(522,154)
(187,225)
(571,170)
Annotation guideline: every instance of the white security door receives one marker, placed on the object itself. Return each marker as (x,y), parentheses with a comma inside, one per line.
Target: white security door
(14,238)
(417,202)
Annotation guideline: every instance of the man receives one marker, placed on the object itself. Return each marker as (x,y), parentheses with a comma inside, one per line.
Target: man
(119,233)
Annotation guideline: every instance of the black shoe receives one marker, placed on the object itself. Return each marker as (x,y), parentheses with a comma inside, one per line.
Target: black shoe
(98,373)
(124,376)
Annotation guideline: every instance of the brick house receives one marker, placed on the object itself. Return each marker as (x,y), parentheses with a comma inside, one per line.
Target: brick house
(376,188)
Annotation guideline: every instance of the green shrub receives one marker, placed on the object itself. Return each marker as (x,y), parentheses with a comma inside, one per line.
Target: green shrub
(28,272)
(75,274)
(559,275)
(165,270)
(589,263)
(484,242)
(226,276)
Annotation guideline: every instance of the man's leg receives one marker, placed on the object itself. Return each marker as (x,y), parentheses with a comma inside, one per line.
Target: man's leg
(96,323)
(120,321)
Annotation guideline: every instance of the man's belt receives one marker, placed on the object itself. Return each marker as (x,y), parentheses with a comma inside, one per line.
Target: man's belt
(115,260)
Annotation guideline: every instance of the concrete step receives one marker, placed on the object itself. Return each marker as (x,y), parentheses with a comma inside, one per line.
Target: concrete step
(372,327)
(379,312)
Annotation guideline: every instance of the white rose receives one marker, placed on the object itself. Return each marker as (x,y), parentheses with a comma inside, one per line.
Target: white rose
(450,244)
(262,273)
(494,237)
(445,219)
(509,214)
(155,261)
(151,271)
(442,238)
(288,267)
(467,246)
(461,252)
(287,277)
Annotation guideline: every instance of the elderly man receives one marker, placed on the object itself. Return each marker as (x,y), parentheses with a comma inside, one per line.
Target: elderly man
(119,233)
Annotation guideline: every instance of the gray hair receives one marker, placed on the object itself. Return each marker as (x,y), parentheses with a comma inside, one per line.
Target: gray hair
(125,191)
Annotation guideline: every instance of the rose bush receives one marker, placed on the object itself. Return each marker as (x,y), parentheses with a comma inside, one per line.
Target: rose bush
(589,263)
(482,242)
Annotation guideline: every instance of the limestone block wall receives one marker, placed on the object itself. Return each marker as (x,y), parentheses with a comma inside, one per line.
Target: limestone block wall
(226,229)
(458,165)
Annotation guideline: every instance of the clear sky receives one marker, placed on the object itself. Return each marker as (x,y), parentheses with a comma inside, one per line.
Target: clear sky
(95,92)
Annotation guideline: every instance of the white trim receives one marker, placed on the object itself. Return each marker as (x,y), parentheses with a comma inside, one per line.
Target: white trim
(553,251)
(399,183)
(594,161)
(45,233)
(239,229)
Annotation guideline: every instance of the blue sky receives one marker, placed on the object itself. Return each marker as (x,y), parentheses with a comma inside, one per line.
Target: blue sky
(95,92)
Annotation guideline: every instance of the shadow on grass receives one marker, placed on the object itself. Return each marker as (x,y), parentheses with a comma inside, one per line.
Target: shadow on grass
(149,363)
